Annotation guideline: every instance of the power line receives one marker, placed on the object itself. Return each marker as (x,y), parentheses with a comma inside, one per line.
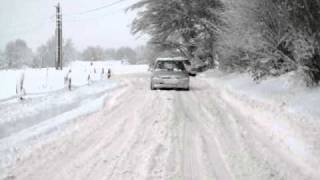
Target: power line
(69,18)
(93,18)
(97,8)
(50,19)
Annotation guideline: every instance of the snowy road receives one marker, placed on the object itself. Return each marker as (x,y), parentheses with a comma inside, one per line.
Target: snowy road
(166,135)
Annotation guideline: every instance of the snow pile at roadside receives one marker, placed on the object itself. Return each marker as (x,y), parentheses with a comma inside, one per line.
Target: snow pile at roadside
(20,143)
(48,79)
(283,109)
(286,92)
(36,81)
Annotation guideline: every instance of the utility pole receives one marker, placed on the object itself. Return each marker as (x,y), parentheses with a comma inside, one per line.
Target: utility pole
(59,38)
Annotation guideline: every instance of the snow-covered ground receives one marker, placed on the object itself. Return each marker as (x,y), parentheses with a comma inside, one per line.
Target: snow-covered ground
(48,105)
(48,79)
(225,128)
(284,109)
(288,92)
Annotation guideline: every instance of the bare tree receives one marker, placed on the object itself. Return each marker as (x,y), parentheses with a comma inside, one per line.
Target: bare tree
(93,54)
(18,54)
(69,52)
(3,62)
(46,53)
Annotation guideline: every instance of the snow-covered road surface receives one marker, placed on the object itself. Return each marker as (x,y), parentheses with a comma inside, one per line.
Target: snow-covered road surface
(167,135)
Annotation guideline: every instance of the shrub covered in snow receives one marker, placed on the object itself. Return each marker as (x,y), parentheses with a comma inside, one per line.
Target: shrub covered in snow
(271,38)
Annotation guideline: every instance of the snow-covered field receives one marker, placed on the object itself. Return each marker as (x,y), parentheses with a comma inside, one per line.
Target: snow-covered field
(48,79)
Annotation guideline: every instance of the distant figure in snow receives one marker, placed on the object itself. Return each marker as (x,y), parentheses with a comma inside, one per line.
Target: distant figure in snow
(109,73)
(68,79)
(20,86)
(92,72)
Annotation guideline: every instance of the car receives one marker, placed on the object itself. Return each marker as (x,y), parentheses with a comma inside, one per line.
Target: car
(169,73)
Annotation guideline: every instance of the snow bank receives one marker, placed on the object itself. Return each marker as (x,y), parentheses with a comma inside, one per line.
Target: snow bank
(282,108)
(286,92)
(15,145)
(48,79)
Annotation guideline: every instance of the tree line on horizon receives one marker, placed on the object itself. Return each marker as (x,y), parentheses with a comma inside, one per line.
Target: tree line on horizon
(17,54)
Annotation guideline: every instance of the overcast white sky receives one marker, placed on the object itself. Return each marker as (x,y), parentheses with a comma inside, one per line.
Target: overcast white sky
(33,21)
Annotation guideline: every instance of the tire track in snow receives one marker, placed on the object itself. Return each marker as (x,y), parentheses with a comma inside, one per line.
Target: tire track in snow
(200,163)
(252,153)
(78,156)
(163,135)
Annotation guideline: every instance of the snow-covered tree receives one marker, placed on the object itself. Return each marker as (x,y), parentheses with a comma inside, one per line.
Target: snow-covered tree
(126,53)
(18,54)
(3,62)
(270,38)
(93,54)
(256,38)
(46,54)
(304,16)
(69,52)
(110,54)
(148,53)
(183,25)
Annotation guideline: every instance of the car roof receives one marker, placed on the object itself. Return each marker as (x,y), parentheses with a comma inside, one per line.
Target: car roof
(172,59)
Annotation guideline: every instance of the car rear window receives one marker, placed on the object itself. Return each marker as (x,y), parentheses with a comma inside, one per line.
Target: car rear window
(170,66)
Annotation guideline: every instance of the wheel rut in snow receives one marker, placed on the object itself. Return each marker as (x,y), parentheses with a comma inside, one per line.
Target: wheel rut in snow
(164,135)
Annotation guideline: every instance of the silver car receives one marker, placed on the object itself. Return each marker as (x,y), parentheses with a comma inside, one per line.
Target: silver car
(169,73)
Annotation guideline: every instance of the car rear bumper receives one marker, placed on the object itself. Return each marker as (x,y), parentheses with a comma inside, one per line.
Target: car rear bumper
(181,84)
